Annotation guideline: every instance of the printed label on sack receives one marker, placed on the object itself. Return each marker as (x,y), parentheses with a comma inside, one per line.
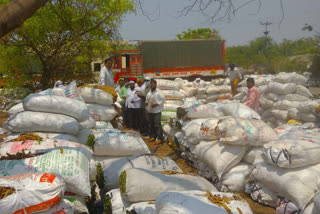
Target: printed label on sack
(39,207)
(47,178)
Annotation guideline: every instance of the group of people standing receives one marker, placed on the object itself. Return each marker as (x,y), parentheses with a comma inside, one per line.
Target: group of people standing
(142,103)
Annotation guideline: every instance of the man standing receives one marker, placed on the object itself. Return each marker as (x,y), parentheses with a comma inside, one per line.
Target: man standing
(133,104)
(155,105)
(235,78)
(106,76)
(144,89)
(123,96)
(198,83)
(120,84)
(253,95)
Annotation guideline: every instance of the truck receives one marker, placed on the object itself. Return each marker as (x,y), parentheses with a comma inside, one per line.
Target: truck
(170,59)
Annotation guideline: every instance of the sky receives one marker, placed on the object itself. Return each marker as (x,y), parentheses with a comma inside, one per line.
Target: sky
(245,26)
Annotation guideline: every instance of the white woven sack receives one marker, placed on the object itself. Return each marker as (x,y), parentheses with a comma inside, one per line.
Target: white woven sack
(297,185)
(254,156)
(201,96)
(112,167)
(301,116)
(286,104)
(196,202)
(239,110)
(57,136)
(173,95)
(69,91)
(278,88)
(133,190)
(96,96)
(219,157)
(296,97)
(280,114)
(168,85)
(71,164)
(218,89)
(118,204)
(308,106)
(316,200)
(103,125)
(28,121)
(143,208)
(237,131)
(63,207)
(201,90)
(191,130)
(190,91)
(262,194)
(294,152)
(88,124)
(290,78)
(303,91)
(56,104)
(215,97)
(265,103)
(273,97)
(311,209)
(207,129)
(16,109)
(34,192)
(115,143)
(170,107)
(212,110)
(235,179)
(38,147)
(102,113)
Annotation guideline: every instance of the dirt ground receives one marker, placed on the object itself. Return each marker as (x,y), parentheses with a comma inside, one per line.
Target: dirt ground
(165,150)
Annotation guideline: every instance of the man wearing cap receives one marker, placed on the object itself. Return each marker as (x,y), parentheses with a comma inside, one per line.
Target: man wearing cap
(133,104)
(155,105)
(106,76)
(198,83)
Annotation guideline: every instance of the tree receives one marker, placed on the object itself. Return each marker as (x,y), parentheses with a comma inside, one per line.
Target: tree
(315,67)
(200,33)
(64,36)
(13,14)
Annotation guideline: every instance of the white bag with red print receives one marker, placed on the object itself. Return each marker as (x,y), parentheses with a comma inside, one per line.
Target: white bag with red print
(33,192)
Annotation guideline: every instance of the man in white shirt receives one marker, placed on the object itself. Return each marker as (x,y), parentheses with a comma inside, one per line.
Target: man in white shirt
(198,83)
(144,89)
(133,104)
(155,105)
(235,77)
(120,84)
(106,76)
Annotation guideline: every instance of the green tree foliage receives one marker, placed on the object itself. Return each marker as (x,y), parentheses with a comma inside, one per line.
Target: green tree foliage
(266,56)
(61,39)
(200,33)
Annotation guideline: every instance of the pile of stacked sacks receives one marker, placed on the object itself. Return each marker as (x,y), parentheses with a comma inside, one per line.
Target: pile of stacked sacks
(48,167)
(284,97)
(287,170)
(238,152)
(173,96)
